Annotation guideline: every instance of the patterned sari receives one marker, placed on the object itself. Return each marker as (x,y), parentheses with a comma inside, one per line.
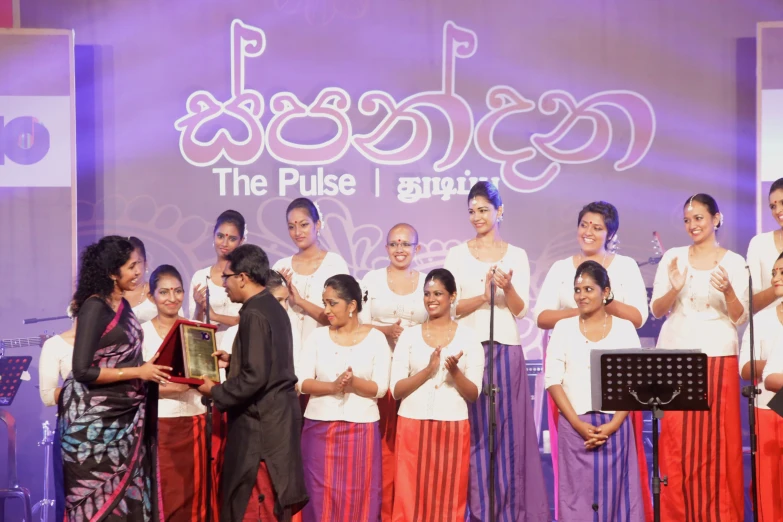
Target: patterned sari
(107,434)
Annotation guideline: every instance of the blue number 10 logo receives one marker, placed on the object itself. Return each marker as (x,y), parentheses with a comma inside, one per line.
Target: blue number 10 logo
(23,140)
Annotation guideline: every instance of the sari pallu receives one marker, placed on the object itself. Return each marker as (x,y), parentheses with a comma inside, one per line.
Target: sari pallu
(107,437)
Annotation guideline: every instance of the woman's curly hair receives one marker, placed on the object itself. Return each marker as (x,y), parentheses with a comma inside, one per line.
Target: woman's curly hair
(98,263)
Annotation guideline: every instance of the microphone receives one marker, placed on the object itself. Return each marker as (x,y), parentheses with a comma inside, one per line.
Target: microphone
(595,508)
(206,312)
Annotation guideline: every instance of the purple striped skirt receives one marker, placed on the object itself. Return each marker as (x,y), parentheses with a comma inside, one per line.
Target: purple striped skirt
(598,485)
(342,466)
(520,494)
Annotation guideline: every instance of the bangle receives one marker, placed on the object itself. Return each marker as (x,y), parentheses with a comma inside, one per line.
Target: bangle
(735,298)
(119,374)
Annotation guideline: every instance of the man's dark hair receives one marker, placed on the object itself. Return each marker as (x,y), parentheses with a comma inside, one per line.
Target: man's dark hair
(250,260)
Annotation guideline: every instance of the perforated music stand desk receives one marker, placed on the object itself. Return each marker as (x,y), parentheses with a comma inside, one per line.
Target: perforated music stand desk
(11,370)
(649,379)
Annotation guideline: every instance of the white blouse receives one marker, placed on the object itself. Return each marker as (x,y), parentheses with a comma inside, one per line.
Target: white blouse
(384,307)
(557,292)
(762,254)
(470,273)
(774,365)
(183,404)
(768,338)
(218,300)
(55,364)
(311,288)
(568,358)
(438,398)
(145,311)
(324,360)
(699,318)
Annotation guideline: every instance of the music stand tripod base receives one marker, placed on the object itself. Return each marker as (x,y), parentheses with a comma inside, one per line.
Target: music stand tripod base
(655,380)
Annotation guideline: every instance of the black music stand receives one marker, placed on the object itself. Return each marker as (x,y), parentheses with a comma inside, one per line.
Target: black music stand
(11,370)
(650,379)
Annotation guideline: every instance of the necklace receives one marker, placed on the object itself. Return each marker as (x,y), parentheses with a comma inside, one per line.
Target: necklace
(691,286)
(777,238)
(449,337)
(354,341)
(477,246)
(603,331)
(159,327)
(449,334)
(410,282)
(582,258)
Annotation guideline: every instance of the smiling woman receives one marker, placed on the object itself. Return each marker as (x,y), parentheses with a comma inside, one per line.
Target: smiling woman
(474,265)
(596,227)
(702,289)
(394,305)
(181,415)
(436,371)
(108,369)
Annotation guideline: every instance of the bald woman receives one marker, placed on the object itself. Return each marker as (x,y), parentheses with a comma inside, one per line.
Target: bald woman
(395,302)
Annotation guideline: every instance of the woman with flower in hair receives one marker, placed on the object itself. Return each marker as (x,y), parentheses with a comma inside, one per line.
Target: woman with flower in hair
(436,372)
(519,479)
(702,290)
(107,415)
(344,368)
(306,271)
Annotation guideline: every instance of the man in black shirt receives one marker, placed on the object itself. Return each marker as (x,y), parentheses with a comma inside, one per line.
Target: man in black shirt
(262,477)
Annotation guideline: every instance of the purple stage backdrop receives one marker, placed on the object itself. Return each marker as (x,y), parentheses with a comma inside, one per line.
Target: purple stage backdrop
(389,111)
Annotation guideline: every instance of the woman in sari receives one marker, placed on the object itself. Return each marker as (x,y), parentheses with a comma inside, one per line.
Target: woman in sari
(107,410)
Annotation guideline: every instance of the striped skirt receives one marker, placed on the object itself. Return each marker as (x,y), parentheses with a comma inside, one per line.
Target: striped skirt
(183,461)
(600,485)
(770,465)
(701,454)
(342,467)
(433,461)
(520,494)
(387,407)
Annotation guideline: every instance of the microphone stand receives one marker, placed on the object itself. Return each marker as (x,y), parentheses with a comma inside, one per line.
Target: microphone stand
(207,401)
(490,392)
(751,393)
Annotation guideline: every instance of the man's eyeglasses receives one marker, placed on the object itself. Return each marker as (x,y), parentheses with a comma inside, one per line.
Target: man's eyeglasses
(226,276)
(403,245)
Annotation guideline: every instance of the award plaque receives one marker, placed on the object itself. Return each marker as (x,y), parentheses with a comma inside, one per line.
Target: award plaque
(198,345)
(188,349)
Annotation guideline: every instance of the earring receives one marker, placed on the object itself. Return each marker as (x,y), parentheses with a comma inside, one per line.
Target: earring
(604,300)
(350,314)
